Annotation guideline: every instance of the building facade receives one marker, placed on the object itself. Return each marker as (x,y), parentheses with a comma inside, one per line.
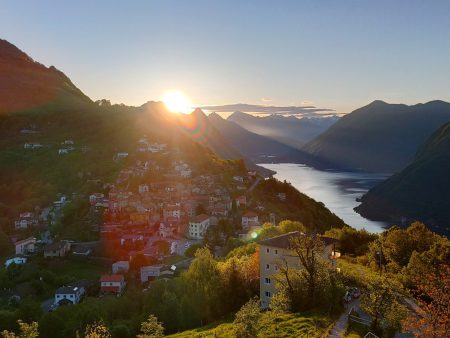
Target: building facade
(275,252)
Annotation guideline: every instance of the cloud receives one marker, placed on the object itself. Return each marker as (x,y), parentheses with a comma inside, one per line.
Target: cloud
(305,110)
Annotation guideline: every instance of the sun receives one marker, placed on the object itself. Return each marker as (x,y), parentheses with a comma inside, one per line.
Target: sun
(177,102)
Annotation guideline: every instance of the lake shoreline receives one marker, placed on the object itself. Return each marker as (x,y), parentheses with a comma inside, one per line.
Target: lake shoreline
(337,190)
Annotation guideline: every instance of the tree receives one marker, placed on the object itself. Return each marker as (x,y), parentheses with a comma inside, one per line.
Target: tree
(97,330)
(379,301)
(246,322)
(151,328)
(190,252)
(204,284)
(26,331)
(432,319)
(309,251)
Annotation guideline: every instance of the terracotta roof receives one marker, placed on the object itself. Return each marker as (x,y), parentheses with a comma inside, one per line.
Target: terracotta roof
(250,214)
(112,278)
(200,218)
(283,241)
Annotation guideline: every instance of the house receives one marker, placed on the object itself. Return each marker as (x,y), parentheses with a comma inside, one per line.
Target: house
(281,196)
(143,188)
(95,198)
(166,230)
(69,295)
(239,179)
(151,272)
(276,250)
(25,246)
(25,220)
(241,201)
(131,238)
(58,249)
(172,211)
(18,260)
(112,284)
(198,226)
(32,146)
(120,267)
(64,151)
(120,156)
(250,218)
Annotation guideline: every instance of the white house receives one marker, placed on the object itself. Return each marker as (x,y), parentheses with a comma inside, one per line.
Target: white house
(18,260)
(120,267)
(198,226)
(69,294)
(25,246)
(153,271)
(249,219)
(25,220)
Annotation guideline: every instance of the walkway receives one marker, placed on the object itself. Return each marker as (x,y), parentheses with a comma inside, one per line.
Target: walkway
(341,324)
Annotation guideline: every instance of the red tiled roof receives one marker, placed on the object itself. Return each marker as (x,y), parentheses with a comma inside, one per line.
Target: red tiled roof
(250,214)
(200,218)
(112,278)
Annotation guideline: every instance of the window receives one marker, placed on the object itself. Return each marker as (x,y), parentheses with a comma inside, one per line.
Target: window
(110,284)
(268,294)
(267,250)
(267,280)
(276,252)
(276,267)
(267,266)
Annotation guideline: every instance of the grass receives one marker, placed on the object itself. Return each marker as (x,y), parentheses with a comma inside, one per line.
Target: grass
(355,330)
(273,325)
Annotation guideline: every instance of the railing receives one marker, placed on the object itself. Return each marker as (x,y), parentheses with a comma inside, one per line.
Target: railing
(370,335)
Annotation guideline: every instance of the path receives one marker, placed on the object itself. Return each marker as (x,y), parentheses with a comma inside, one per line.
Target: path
(339,327)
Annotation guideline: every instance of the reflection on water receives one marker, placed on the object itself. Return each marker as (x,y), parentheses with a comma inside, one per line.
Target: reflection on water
(336,189)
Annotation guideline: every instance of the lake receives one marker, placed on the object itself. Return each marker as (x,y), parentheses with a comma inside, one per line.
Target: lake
(336,189)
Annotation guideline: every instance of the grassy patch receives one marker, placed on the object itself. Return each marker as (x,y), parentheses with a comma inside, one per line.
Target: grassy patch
(273,325)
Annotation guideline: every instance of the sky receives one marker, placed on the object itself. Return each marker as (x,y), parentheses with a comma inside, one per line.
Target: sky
(331,54)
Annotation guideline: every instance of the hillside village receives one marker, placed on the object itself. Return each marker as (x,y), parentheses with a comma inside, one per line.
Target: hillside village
(153,213)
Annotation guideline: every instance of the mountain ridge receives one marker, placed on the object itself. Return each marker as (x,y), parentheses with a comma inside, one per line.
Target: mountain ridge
(420,191)
(379,137)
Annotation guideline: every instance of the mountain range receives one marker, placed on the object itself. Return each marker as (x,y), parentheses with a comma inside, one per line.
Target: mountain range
(379,137)
(289,130)
(420,191)
(259,148)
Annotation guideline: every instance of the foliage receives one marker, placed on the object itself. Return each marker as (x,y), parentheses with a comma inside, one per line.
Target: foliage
(432,319)
(380,302)
(151,328)
(97,330)
(352,241)
(190,252)
(306,279)
(26,330)
(246,321)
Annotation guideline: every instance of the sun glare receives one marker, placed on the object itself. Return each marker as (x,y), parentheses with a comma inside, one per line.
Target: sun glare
(177,102)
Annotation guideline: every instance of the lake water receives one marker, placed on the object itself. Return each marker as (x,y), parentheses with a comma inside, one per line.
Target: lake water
(336,189)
